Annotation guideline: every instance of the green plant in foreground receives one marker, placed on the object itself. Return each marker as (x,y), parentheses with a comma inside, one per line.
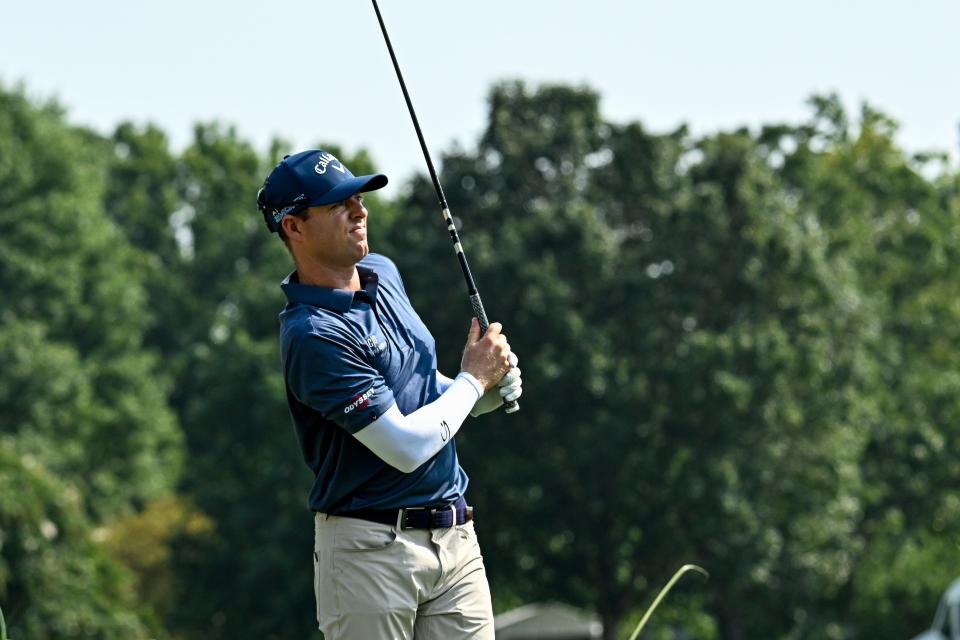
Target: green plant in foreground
(660,596)
(3,626)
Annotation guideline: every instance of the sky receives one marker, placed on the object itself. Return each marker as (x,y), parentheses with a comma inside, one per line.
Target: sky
(316,71)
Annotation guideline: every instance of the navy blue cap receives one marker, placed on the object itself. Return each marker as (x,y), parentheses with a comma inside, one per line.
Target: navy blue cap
(308,179)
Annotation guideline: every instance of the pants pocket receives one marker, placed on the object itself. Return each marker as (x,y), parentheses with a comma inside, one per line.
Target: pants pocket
(359,535)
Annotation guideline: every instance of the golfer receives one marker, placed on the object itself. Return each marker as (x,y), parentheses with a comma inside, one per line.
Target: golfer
(395,552)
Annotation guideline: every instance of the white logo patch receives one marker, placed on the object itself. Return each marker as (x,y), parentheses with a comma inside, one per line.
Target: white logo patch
(327,159)
(373,343)
(360,401)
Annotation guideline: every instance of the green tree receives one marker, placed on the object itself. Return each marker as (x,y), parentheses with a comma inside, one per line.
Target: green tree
(81,398)
(71,281)
(896,216)
(695,360)
(55,582)
(738,350)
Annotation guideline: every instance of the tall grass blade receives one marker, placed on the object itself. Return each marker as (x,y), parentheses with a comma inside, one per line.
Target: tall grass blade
(663,592)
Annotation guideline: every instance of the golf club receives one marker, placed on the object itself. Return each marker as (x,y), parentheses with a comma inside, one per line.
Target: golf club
(475,301)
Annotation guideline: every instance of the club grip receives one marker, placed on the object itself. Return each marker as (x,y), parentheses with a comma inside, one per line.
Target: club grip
(479,313)
(481,316)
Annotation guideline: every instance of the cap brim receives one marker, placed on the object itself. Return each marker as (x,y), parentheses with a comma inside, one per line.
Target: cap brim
(352,186)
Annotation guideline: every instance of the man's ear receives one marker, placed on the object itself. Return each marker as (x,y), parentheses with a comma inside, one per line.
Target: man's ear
(292,227)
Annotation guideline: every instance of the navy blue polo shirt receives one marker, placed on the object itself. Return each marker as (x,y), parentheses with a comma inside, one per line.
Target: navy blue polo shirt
(347,357)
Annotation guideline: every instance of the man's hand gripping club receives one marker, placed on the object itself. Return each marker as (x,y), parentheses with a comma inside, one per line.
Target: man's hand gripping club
(490,360)
(408,441)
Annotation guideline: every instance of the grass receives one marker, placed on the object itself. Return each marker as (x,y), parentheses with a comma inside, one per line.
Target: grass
(660,596)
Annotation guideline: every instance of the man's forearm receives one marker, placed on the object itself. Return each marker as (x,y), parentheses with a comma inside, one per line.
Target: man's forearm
(406,442)
(444,382)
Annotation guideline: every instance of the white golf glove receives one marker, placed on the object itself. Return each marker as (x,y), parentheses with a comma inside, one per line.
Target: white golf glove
(508,389)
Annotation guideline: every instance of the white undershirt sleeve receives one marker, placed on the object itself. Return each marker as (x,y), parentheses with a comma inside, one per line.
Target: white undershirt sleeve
(406,442)
(444,381)
(489,401)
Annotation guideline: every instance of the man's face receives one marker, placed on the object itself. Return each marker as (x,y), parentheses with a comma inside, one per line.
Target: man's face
(336,234)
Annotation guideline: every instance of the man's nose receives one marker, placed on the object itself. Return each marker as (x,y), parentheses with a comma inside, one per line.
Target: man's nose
(356,207)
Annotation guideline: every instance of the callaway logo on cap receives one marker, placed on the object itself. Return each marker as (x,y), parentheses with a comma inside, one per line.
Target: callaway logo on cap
(308,179)
(327,159)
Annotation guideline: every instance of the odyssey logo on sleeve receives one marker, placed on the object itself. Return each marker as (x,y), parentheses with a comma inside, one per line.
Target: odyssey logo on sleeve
(360,401)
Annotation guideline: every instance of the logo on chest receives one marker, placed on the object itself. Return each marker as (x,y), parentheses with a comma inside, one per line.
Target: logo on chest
(376,345)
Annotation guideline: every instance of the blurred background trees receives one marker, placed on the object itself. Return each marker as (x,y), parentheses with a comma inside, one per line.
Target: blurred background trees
(738,349)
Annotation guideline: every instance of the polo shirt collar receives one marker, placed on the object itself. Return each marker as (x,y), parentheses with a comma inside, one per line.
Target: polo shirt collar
(339,300)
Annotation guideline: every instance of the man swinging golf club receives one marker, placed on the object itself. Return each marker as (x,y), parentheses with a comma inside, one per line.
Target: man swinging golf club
(395,553)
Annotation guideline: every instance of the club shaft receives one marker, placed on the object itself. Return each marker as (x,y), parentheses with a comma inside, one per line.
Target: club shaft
(475,302)
(444,207)
(413,113)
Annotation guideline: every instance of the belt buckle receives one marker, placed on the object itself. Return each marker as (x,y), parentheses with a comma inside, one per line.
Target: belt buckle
(404,515)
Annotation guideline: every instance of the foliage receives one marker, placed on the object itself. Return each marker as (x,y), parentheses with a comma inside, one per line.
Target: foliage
(142,542)
(78,389)
(739,350)
(710,337)
(55,582)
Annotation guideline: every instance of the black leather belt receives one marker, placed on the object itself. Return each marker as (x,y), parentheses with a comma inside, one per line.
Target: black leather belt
(417,517)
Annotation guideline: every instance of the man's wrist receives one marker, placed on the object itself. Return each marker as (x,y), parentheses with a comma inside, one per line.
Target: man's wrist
(470,378)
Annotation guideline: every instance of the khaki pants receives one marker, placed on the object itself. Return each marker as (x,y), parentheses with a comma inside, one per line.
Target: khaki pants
(374,581)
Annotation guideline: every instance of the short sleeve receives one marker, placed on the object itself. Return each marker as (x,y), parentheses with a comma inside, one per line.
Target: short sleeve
(336,380)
